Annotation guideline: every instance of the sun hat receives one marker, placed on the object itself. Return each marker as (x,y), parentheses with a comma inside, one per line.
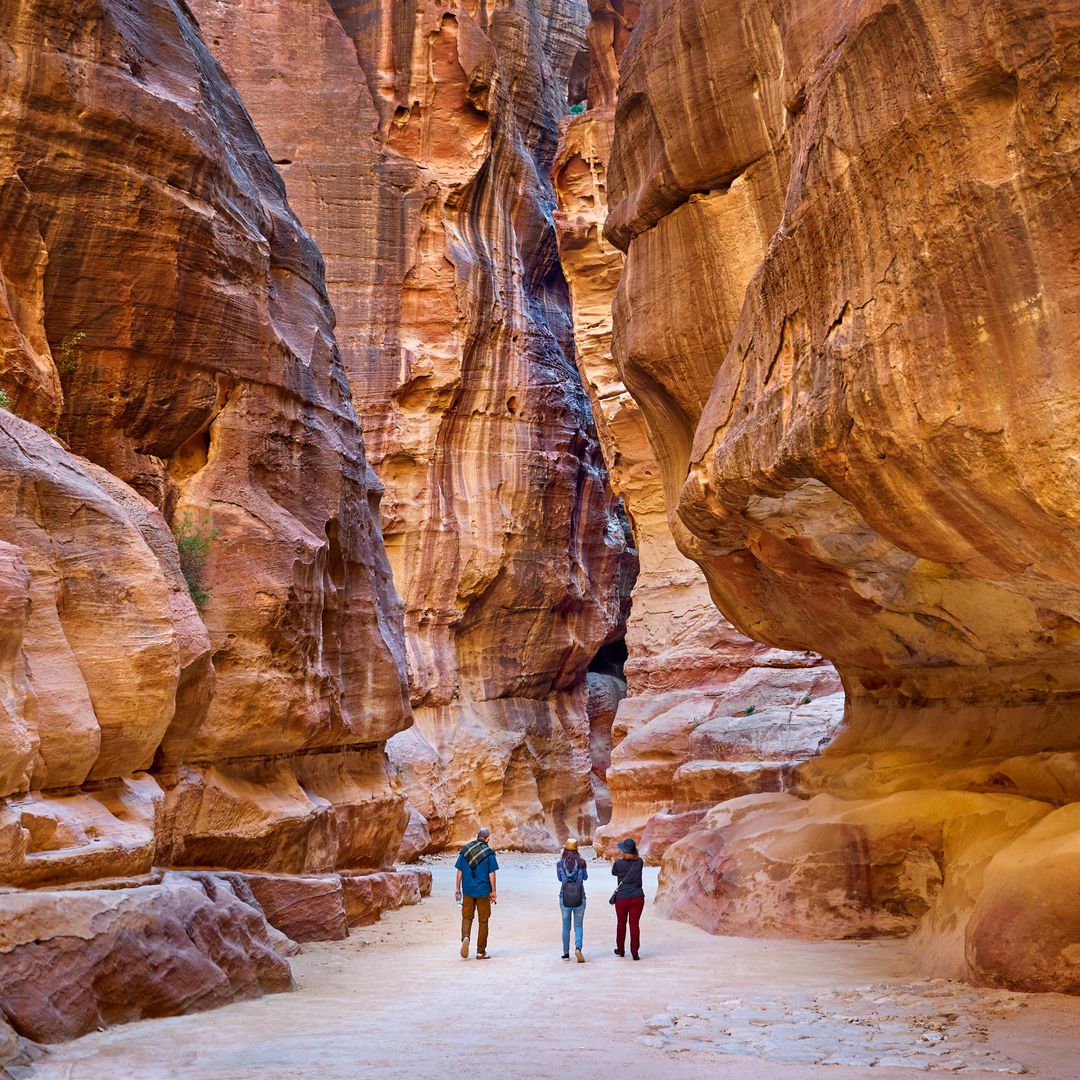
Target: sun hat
(571,844)
(628,846)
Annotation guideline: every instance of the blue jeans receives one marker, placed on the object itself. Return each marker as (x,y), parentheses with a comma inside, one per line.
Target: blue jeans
(578,915)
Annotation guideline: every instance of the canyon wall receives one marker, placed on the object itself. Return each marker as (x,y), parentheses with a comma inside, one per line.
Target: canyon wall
(416,143)
(176,430)
(848,314)
(709,714)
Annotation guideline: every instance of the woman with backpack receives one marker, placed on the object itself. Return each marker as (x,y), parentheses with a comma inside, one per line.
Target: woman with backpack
(572,872)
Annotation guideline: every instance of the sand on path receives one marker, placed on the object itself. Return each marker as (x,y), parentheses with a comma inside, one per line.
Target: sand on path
(396,1000)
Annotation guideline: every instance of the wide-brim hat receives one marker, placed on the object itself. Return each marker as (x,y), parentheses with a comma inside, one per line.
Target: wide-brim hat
(571,844)
(628,846)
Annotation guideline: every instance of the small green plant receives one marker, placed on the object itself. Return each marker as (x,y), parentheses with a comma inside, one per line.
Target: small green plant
(578,109)
(193,544)
(5,401)
(749,711)
(67,353)
(806,700)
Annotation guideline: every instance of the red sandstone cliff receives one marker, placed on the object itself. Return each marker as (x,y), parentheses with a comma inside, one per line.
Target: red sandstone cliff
(848,313)
(708,714)
(183,309)
(837,380)
(164,316)
(416,143)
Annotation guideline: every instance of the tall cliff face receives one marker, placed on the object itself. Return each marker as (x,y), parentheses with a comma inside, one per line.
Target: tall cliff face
(416,142)
(165,312)
(708,713)
(847,313)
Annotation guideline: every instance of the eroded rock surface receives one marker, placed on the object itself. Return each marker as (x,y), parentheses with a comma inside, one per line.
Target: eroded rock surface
(686,664)
(16,1054)
(679,754)
(199,367)
(847,316)
(74,961)
(416,143)
(176,430)
(934,1026)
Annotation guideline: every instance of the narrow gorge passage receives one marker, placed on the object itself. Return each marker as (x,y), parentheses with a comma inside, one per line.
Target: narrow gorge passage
(396,1001)
(651,420)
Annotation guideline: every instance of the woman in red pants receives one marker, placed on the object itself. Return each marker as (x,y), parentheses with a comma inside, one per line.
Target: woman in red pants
(629,898)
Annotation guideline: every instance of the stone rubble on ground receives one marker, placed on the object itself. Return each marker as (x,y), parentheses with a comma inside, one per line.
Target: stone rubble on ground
(936,1025)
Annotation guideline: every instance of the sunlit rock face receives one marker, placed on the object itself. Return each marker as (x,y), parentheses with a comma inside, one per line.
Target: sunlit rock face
(687,666)
(165,314)
(848,314)
(416,143)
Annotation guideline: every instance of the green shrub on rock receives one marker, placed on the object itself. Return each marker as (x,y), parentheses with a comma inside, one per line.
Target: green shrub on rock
(193,545)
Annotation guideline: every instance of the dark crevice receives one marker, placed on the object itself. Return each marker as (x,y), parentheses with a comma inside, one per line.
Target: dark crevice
(610,659)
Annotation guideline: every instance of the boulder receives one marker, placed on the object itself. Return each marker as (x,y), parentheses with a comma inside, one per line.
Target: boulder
(367,896)
(1024,930)
(303,908)
(775,866)
(74,962)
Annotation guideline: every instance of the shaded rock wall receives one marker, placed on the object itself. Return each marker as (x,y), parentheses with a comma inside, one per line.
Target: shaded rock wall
(182,313)
(687,665)
(416,142)
(176,426)
(847,314)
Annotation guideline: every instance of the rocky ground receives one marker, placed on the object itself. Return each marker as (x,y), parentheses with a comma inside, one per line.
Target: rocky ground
(395,1000)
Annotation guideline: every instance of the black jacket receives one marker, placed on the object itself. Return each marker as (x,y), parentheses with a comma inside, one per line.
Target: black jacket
(628,871)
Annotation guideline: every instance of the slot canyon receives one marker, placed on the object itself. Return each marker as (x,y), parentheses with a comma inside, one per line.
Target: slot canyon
(638,423)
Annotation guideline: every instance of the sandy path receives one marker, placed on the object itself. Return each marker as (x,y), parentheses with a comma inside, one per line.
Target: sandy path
(395,1000)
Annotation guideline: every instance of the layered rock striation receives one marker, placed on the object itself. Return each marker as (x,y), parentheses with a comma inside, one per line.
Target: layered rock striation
(708,713)
(846,313)
(416,143)
(77,961)
(177,430)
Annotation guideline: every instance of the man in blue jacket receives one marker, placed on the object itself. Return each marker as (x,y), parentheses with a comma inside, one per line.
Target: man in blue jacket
(476,866)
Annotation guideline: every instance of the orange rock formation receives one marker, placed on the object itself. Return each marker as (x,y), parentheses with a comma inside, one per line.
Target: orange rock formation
(165,316)
(809,290)
(846,313)
(416,144)
(709,712)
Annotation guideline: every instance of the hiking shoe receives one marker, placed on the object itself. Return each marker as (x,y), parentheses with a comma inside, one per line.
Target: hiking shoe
(482,956)
(464,948)
(580,956)
(566,956)
(635,956)
(618,952)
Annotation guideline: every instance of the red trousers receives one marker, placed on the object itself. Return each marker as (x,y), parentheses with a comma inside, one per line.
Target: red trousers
(629,909)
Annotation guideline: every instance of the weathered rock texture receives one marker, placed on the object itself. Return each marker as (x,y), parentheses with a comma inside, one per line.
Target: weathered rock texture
(416,142)
(849,315)
(687,665)
(163,312)
(186,315)
(72,962)
(16,1053)
(323,907)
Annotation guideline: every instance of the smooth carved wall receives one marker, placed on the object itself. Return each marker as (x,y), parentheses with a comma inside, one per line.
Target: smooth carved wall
(848,313)
(165,317)
(416,143)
